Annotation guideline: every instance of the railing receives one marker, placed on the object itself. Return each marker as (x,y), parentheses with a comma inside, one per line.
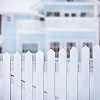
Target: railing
(30,79)
(67,24)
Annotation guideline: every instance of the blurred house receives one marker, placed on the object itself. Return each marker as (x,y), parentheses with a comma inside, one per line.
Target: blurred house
(48,24)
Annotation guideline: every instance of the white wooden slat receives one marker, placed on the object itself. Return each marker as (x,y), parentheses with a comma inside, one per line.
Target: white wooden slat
(56,80)
(7,86)
(50,75)
(17,76)
(1,89)
(85,74)
(1,81)
(96,72)
(62,75)
(45,81)
(79,86)
(28,76)
(91,85)
(68,80)
(39,75)
(34,81)
(73,74)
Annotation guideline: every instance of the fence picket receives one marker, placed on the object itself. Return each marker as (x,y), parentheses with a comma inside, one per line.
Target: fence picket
(7,85)
(85,73)
(96,72)
(28,76)
(56,82)
(39,75)
(73,74)
(62,75)
(50,75)
(17,76)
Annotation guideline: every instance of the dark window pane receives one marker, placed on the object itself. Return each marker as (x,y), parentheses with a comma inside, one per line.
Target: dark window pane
(0,24)
(49,13)
(55,47)
(73,15)
(90,46)
(66,14)
(30,47)
(56,14)
(0,49)
(70,0)
(69,46)
(83,14)
(41,19)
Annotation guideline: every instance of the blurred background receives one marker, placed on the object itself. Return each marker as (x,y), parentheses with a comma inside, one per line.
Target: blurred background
(32,25)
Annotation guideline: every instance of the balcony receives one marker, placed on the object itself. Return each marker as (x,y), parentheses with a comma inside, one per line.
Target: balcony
(30,27)
(71,24)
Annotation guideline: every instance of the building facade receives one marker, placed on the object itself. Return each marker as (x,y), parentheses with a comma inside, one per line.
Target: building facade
(64,24)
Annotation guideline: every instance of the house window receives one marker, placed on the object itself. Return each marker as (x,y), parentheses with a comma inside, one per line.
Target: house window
(32,47)
(9,18)
(50,14)
(41,19)
(70,0)
(83,14)
(56,14)
(73,15)
(55,46)
(0,49)
(90,46)
(66,15)
(69,46)
(0,23)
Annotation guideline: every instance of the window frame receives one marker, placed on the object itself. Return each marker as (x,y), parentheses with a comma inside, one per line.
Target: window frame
(0,24)
(65,46)
(59,46)
(1,49)
(70,0)
(75,15)
(55,14)
(11,18)
(50,15)
(28,42)
(84,13)
(88,41)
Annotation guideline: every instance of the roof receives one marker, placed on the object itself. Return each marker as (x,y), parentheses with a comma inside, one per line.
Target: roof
(33,7)
(18,6)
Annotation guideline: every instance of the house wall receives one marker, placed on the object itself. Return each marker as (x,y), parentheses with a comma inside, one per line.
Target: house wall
(12,40)
(64,29)
(64,37)
(64,6)
(73,0)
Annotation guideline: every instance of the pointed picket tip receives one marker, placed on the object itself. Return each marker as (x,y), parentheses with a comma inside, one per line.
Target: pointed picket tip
(96,46)
(28,52)
(85,48)
(62,50)
(73,49)
(51,51)
(73,54)
(50,55)
(6,53)
(40,53)
(17,53)
(6,56)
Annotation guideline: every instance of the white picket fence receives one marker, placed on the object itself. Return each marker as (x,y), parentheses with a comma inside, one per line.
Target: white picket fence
(39,80)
